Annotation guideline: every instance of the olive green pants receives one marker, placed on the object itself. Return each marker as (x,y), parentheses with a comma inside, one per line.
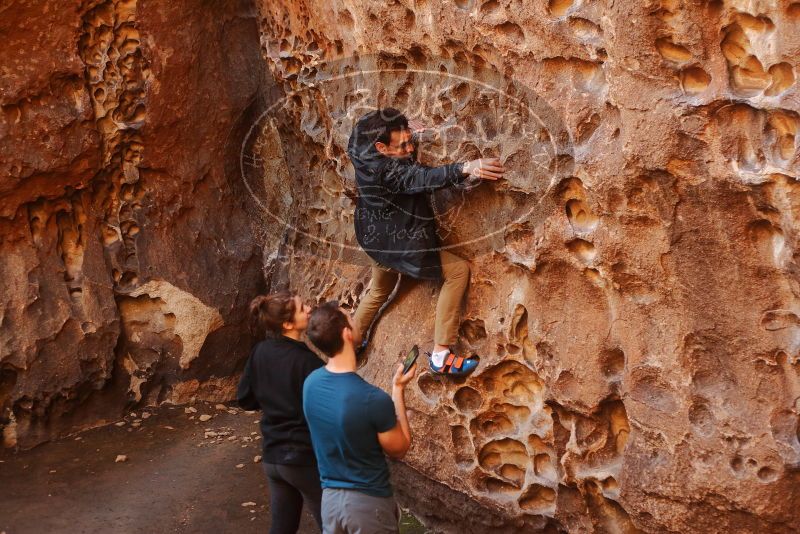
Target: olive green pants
(448,307)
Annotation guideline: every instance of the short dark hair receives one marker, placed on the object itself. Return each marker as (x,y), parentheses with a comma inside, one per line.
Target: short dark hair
(378,125)
(268,313)
(325,328)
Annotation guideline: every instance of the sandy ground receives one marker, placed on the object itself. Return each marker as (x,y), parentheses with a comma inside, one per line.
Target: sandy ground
(175,478)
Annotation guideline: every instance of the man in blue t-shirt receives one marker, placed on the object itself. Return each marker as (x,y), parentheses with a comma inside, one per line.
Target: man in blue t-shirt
(353,424)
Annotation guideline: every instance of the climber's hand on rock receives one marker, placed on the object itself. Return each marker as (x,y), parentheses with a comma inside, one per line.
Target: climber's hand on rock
(416,126)
(485,168)
(400,380)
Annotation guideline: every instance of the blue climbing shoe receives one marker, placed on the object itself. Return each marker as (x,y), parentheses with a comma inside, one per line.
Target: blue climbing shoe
(454,366)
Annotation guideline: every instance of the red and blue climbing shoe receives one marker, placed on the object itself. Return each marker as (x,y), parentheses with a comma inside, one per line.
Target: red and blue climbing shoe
(454,366)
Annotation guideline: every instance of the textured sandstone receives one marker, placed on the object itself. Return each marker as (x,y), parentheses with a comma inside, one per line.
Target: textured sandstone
(127,260)
(634,293)
(638,321)
(193,320)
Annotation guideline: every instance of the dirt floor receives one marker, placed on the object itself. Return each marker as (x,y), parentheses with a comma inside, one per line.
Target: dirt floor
(180,474)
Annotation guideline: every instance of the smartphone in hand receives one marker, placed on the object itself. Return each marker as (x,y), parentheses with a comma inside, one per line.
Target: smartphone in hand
(408,363)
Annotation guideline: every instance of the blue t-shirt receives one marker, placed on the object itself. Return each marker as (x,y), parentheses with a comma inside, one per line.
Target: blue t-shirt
(345,415)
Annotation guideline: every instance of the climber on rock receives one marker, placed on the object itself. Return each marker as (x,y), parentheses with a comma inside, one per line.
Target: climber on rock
(395,225)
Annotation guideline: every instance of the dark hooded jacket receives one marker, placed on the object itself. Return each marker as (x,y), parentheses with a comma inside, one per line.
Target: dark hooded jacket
(394,220)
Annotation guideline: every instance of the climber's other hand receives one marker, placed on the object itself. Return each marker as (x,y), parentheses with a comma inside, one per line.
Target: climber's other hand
(485,168)
(417,126)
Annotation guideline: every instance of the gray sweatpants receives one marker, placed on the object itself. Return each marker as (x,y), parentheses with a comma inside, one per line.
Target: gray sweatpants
(352,512)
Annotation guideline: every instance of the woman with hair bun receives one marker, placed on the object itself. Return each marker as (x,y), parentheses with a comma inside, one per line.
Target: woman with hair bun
(273,383)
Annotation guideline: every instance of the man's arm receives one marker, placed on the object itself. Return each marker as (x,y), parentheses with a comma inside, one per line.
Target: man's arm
(397,441)
(409,177)
(402,177)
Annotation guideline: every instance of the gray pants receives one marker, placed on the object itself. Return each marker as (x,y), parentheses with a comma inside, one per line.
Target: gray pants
(352,512)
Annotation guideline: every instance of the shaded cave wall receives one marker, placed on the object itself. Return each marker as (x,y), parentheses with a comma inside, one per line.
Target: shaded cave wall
(128,257)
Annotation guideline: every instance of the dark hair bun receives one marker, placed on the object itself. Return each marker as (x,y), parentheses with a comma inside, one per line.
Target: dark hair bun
(268,313)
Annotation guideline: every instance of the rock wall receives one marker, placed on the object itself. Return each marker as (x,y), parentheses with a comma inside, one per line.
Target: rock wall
(127,257)
(634,292)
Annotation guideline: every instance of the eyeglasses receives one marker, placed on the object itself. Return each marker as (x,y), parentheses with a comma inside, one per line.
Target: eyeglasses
(405,145)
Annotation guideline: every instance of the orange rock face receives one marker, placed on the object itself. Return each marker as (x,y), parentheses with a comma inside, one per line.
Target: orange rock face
(127,261)
(634,296)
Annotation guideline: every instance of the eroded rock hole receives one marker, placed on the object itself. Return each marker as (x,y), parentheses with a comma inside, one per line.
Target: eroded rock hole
(585,29)
(580,216)
(494,485)
(782,79)
(650,390)
(779,319)
(488,8)
(701,418)
(781,131)
(537,498)
(767,474)
(748,75)
(519,323)
(508,461)
(512,32)
(582,249)
(492,424)
(694,80)
(586,128)
(559,8)
(737,464)
(768,239)
(462,445)
(430,387)
(612,363)
(672,51)
(467,399)
(543,466)
(512,474)
(473,330)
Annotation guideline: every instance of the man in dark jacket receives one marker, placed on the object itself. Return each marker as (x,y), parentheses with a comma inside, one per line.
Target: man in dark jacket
(396,226)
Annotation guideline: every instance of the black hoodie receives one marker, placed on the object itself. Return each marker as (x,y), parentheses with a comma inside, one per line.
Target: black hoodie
(394,220)
(273,382)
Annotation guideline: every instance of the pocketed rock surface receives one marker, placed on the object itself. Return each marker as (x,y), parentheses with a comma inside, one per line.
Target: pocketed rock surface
(634,282)
(634,294)
(126,261)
